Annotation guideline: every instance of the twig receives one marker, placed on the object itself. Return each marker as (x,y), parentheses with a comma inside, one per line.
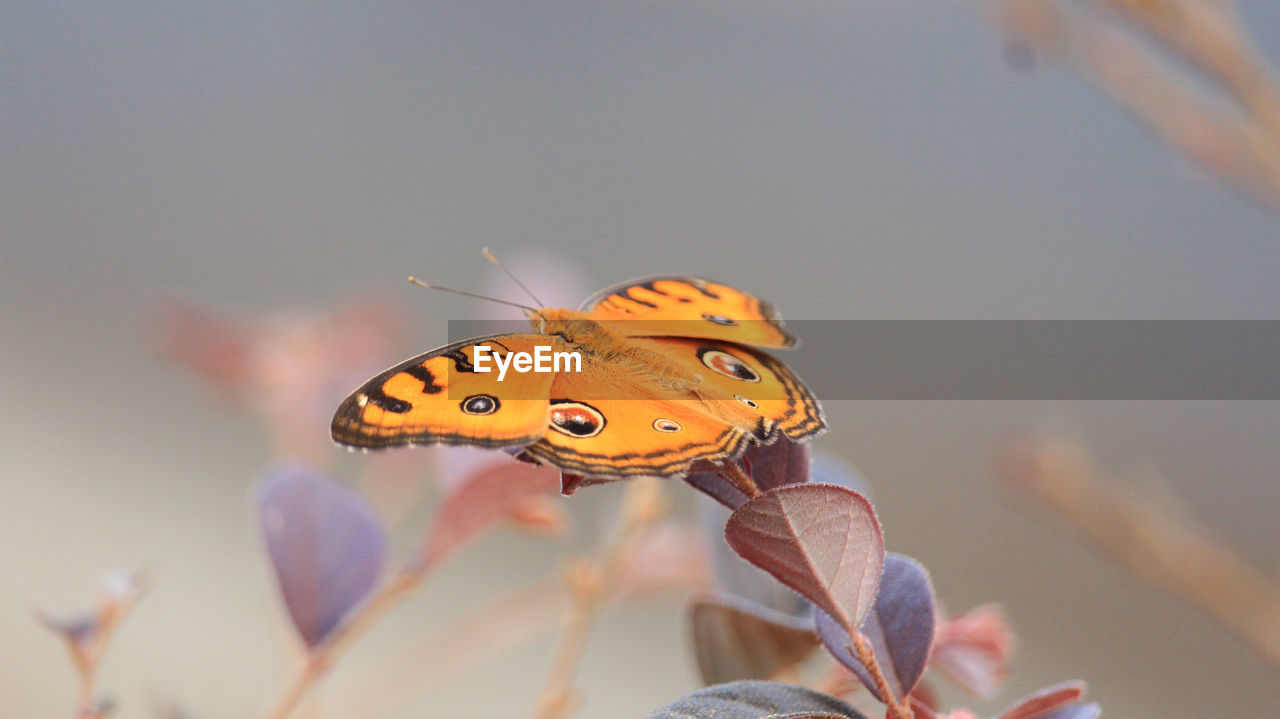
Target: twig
(866,656)
(740,479)
(1241,146)
(88,636)
(394,680)
(1140,538)
(320,659)
(593,582)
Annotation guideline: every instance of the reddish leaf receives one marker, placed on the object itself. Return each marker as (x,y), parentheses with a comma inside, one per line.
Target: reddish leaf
(668,555)
(325,545)
(734,575)
(1039,704)
(737,639)
(819,539)
(539,514)
(570,483)
(974,649)
(497,491)
(899,628)
(216,348)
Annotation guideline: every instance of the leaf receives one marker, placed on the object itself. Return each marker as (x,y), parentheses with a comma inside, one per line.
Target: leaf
(570,483)
(899,627)
(1048,702)
(734,638)
(769,466)
(668,555)
(117,594)
(500,489)
(735,575)
(325,544)
(214,347)
(819,539)
(756,700)
(784,462)
(974,648)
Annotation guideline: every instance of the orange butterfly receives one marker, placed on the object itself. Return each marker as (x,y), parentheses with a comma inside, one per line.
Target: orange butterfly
(668,377)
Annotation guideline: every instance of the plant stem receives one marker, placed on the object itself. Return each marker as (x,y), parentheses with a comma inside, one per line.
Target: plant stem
(1170,554)
(740,479)
(593,582)
(392,682)
(866,656)
(321,658)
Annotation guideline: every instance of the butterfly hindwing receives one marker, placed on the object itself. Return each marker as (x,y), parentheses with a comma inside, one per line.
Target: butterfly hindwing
(612,430)
(608,424)
(766,386)
(438,397)
(689,307)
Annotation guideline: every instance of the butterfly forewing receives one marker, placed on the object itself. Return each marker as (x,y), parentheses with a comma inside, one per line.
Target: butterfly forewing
(689,307)
(439,397)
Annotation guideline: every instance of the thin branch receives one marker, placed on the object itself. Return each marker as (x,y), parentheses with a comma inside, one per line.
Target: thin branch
(320,659)
(394,680)
(1134,533)
(742,481)
(866,656)
(1241,145)
(593,582)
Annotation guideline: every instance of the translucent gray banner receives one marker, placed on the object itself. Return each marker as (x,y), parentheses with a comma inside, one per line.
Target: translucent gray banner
(1003,359)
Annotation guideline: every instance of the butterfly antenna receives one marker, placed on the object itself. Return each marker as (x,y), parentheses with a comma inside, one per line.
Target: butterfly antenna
(420,283)
(489,256)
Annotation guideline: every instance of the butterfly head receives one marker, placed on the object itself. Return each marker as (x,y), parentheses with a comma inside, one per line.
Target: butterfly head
(574,327)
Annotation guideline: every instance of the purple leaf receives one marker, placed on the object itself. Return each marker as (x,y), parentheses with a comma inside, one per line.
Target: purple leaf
(819,539)
(784,462)
(77,629)
(769,466)
(756,700)
(118,593)
(738,639)
(899,627)
(325,544)
(1048,702)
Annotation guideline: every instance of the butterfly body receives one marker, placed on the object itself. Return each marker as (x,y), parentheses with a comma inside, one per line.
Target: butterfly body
(669,376)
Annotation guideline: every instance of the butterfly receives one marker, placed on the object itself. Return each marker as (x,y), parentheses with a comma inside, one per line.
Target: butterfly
(670,376)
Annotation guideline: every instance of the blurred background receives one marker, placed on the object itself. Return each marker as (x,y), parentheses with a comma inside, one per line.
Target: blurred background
(846,160)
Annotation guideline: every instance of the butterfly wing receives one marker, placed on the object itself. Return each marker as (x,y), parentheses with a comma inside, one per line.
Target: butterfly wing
(439,397)
(689,307)
(608,424)
(768,389)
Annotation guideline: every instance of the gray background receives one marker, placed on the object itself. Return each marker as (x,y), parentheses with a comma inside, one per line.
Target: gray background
(847,160)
